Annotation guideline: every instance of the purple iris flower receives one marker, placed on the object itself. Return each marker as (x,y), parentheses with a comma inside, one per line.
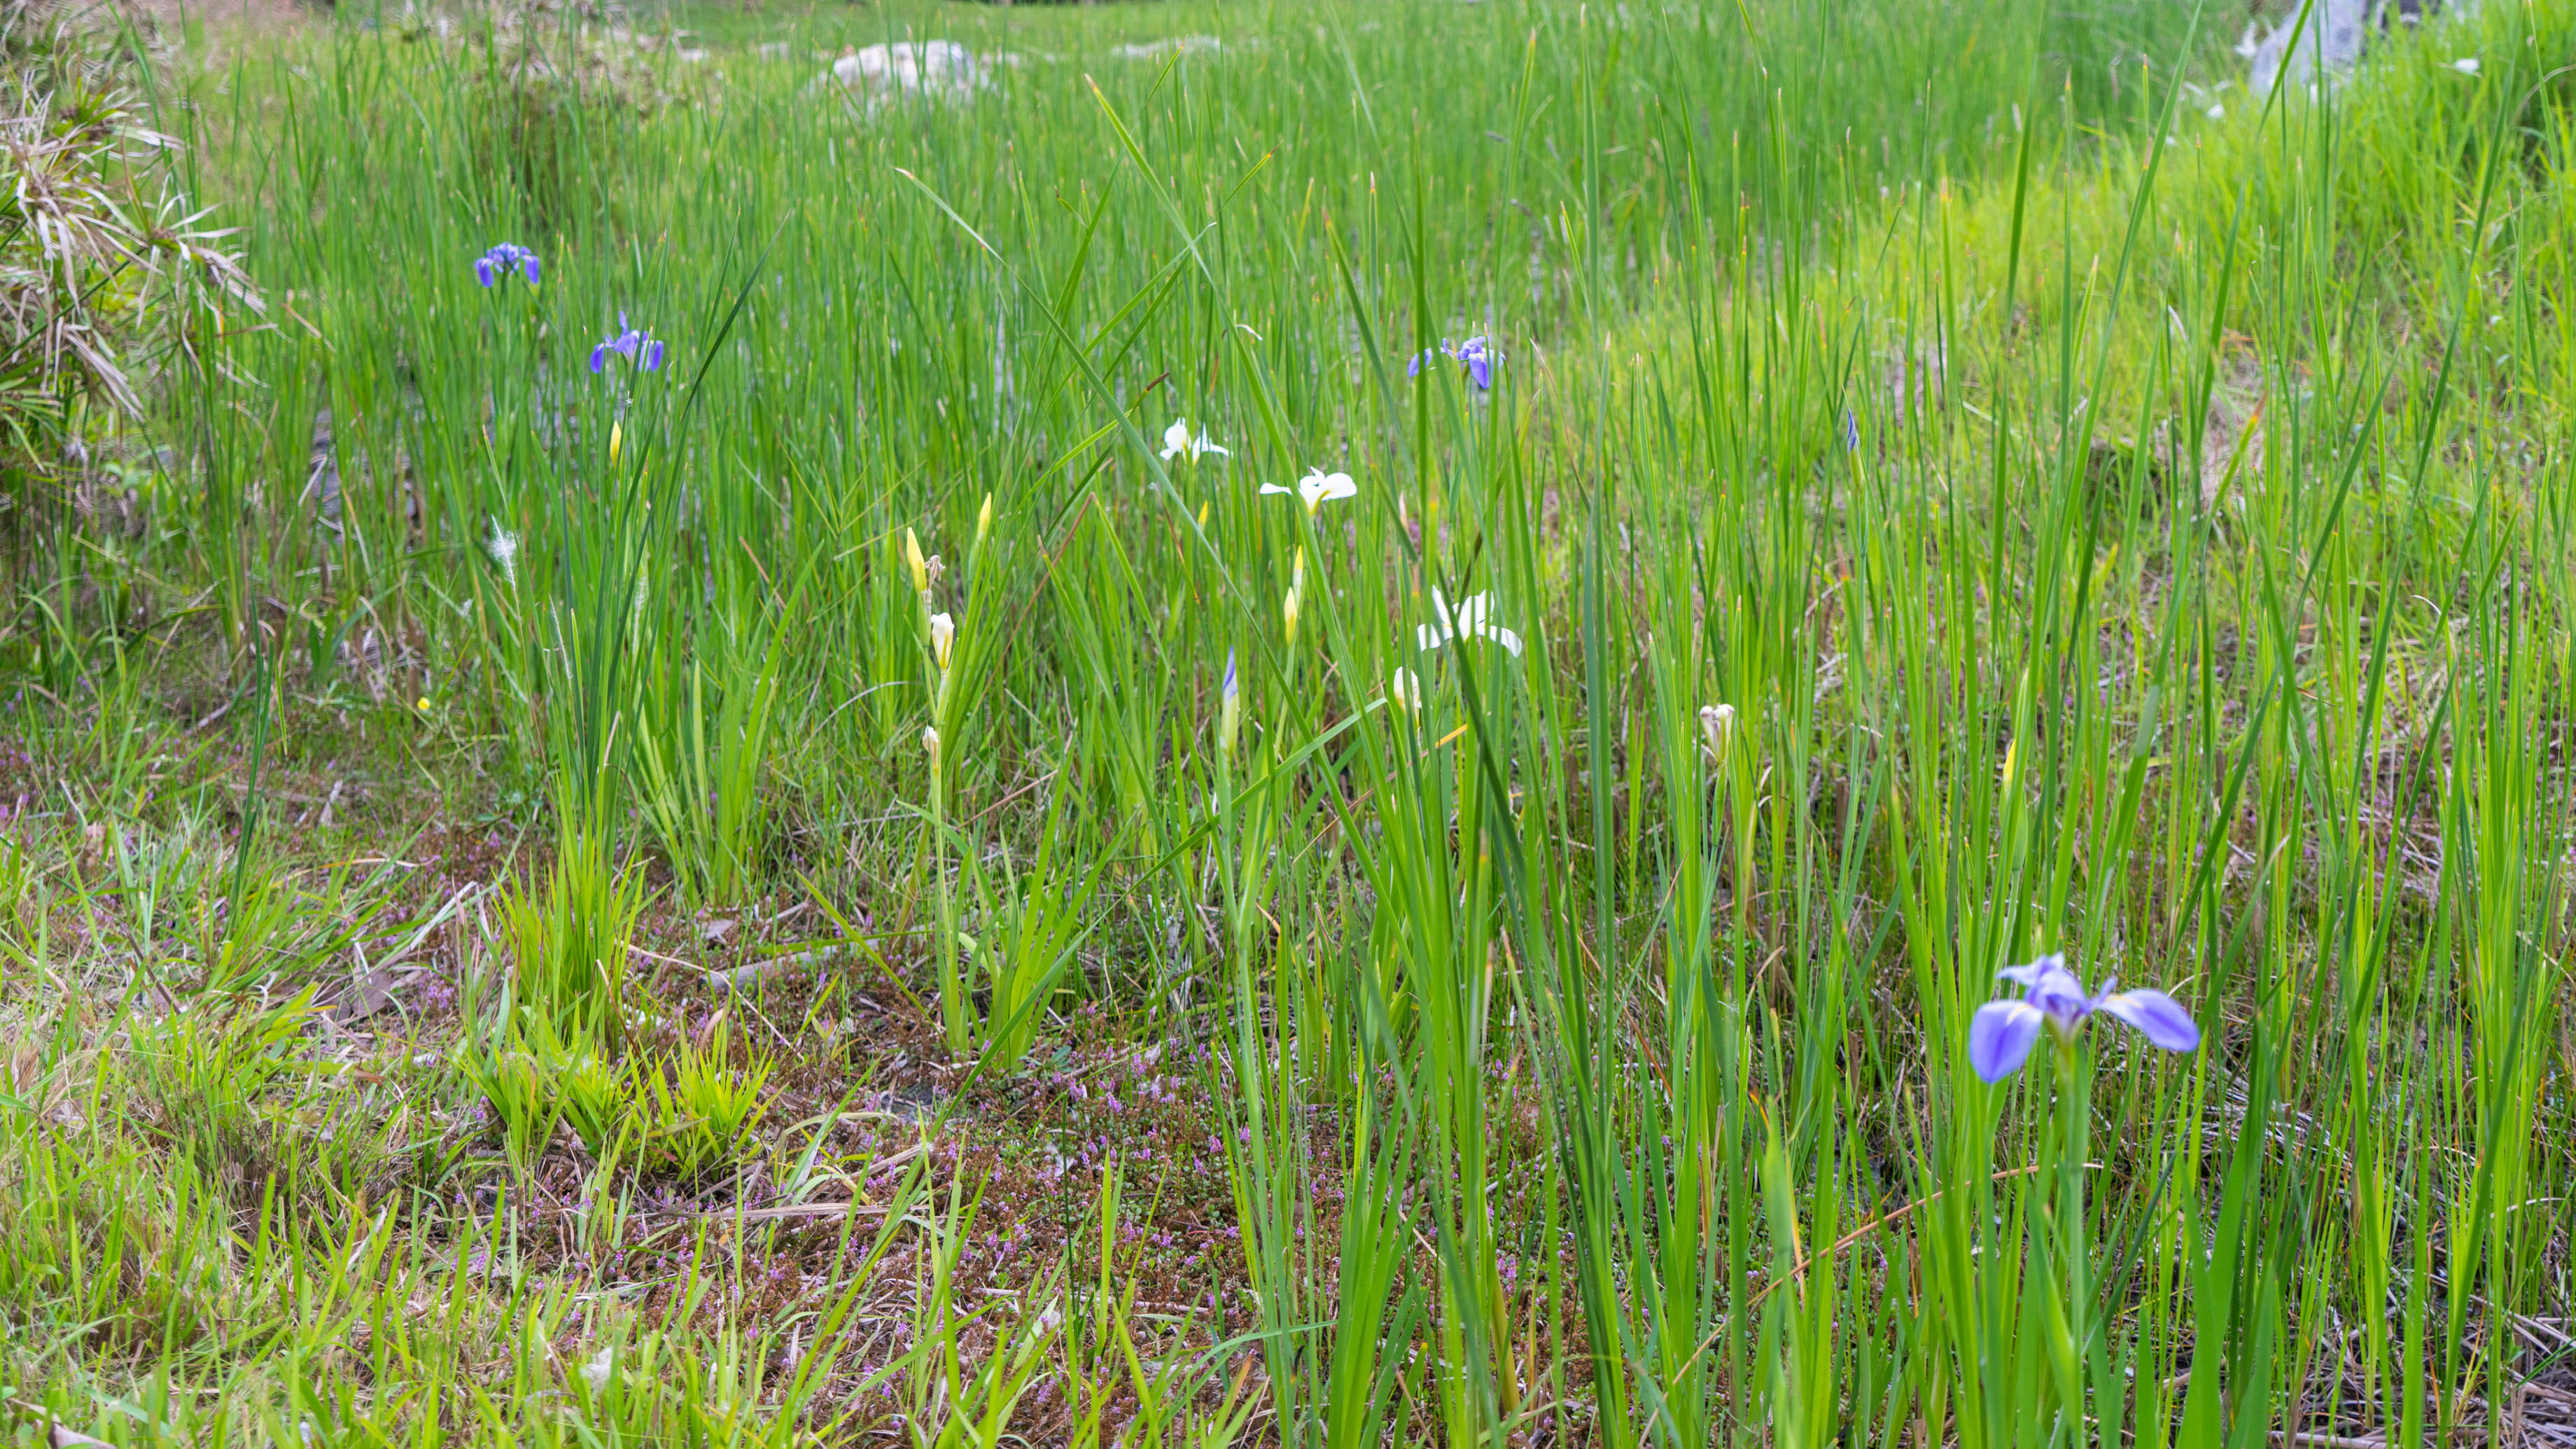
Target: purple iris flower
(641,348)
(1478,354)
(2001,1035)
(497,264)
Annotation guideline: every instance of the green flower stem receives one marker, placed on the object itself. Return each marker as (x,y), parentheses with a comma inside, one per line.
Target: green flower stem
(2074,1121)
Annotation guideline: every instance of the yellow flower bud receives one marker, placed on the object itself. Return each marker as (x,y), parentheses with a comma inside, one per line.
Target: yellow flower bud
(1295,602)
(943,633)
(984,521)
(913,559)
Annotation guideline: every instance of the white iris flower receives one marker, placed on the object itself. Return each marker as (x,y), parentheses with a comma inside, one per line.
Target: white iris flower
(1473,620)
(1404,689)
(1177,443)
(1316,487)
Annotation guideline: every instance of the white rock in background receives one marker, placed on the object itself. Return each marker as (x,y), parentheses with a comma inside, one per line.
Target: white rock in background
(939,69)
(2337,33)
(2331,40)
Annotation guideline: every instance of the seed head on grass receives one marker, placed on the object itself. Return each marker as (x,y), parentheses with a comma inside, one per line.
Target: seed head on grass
(2003,1031)
(502,546)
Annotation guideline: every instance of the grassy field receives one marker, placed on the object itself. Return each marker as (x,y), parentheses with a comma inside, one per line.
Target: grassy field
(852,885)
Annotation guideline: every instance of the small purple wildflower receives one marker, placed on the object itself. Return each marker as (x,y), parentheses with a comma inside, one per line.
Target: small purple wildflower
(1478,354)
(2003,1031)
(641,348)
(496,265)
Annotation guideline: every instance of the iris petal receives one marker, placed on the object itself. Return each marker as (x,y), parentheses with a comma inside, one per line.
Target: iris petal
(2036,971)
(1317,486)
(2158,1017)
(2052,988)
(2000,1038)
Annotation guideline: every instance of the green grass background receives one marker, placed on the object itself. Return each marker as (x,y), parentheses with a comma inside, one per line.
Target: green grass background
(2115,515)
